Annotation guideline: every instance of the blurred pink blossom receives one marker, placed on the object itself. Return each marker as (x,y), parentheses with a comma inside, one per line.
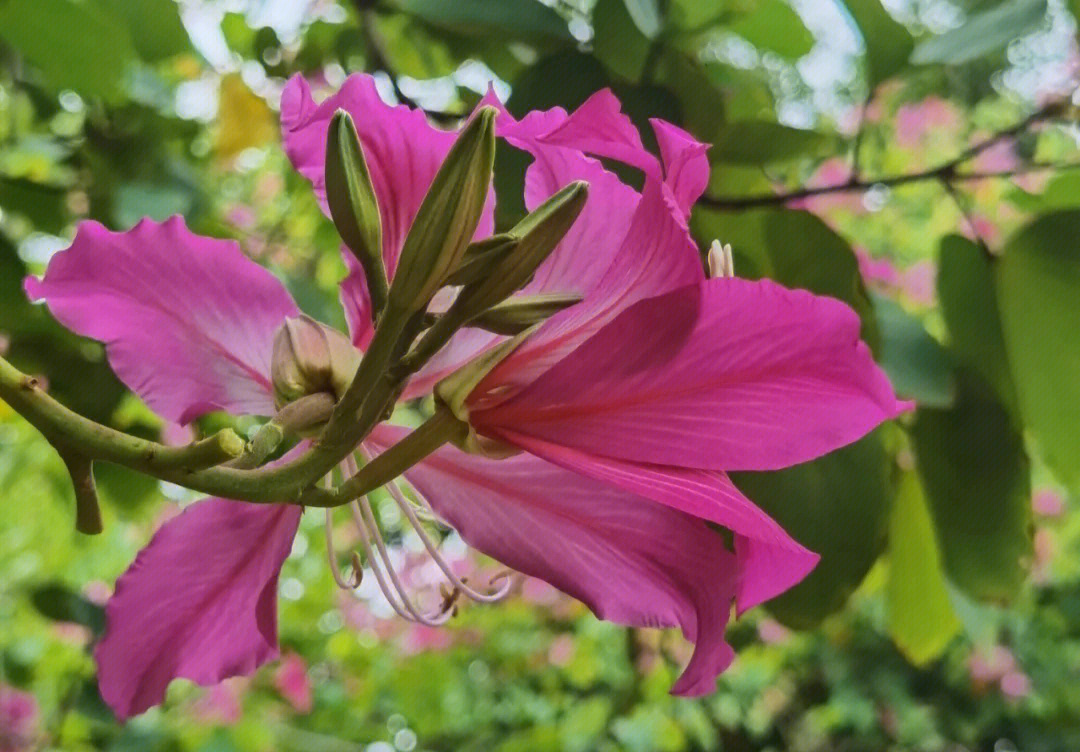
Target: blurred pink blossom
(772,632)
(18,720)
(1015,684)
(831,172)
(220,704)
(419,638)
(915,121)
(998,158)
(1047,502)
(561,650)
(292,682)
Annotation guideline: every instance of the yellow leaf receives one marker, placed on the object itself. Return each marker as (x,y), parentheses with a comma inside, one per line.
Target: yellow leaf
(244,119)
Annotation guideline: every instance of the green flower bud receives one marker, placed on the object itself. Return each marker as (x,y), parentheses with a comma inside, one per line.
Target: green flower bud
(353,204)
(448,216)
(310,358)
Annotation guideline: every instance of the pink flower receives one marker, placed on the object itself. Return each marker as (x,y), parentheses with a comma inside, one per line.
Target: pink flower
(915,121)
(291,680)
(831,172)
(629,406)
(1047,502)
(18,720)
(220,704)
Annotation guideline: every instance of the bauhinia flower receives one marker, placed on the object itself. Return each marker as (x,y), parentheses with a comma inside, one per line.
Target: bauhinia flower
(614,421)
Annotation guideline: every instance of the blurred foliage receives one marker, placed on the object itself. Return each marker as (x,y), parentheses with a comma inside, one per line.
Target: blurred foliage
(945,615)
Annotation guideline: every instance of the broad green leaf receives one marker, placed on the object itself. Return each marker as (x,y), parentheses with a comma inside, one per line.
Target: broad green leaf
(44,205)
(773,25)
(1038,284)
(918,367)
(796,249)
(702,103)
(693,15)
(759,142)
(154,25)
(74,45)
(1062,192)
(413,48)
(838,506)
(965,284)
(617,40)
(646,16)
(982,33)
(921,618)
(55,601)
(975,473)
(526,20)
(159,201)
(887,44)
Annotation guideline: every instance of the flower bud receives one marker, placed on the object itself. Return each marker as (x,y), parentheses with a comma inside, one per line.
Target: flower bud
(353,204)
(309,358)
(448,216)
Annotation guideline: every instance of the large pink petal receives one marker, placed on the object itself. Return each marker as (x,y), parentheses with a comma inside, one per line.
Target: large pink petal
(188,322)
(629,559)
(686,167)
(599,127)
(403,152)
(770,561)
(199,602)
(726,375)
(655,256)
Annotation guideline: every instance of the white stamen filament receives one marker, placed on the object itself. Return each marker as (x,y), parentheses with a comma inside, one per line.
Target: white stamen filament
(379,560)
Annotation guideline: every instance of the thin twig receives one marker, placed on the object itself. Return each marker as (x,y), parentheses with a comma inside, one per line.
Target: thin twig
(965,211)
(946,171)
(380,60)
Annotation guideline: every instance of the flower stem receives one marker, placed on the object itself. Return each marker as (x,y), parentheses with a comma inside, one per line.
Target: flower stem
(432,434)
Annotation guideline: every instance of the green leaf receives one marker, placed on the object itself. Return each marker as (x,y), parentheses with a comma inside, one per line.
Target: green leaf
(44,205)
(1061,192)
(965,284)
(1038,284)
(74,45)
(617,41)
(646,16)
(918,367)
(700,99)
(526,20)
(55,601)
(983,33)
(154,25)
(838,506)
(922,622)
(796,249)
(887,44)
(773,25)
(759,142)
(975,473)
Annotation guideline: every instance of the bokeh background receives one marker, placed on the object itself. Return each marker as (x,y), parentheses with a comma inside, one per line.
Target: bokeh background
(945,614)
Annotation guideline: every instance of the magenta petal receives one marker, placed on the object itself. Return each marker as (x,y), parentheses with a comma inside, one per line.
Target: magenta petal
(599,127)
(199,602)
(403,153)
(657,255)
(629,559)
(686,167)
(769,560)
(188,322)
(728,375)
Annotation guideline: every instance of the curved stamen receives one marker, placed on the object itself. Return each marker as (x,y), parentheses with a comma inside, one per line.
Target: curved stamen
(335,570)
(365,522)
(459,584)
